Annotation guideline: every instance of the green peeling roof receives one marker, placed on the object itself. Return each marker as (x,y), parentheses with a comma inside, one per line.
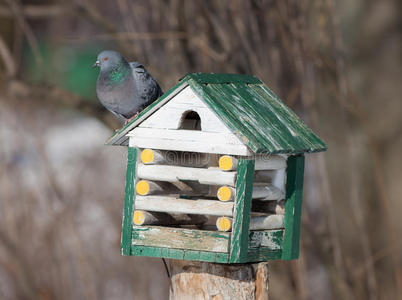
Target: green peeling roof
(248,107)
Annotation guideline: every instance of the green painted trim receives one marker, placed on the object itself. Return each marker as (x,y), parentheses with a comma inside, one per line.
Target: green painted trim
(293,206)
(263,254)
(128,201)
(222,78)
(242,210)
(180,254)
(181,238)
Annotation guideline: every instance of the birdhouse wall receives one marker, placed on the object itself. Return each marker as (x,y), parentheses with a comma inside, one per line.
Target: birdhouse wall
(163,129)
(252,236)
(170,115)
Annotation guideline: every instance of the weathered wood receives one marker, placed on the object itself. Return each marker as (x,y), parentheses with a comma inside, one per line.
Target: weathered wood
(272,207)
(293,205)
(200,280)
(227,163)
(266,192)
(170,115)
(175,158)
(125,248)
(187,140)
(256,115)
(244,187)
(266,222)
(224,224)
(180,238)
(207,256)
(256,223)
(271,239)
(157,218)
(148,187)
(213,176)
(226,193)
(262,162)
(263,192)
(171,204)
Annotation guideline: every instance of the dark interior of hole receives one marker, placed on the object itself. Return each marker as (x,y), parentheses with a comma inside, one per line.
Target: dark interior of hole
(191,121)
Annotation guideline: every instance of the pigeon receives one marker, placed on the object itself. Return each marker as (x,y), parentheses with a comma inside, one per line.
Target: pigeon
(124,88)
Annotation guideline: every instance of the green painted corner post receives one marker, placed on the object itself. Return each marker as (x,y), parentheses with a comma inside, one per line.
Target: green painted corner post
(293,206)
(241,216)
(125,248)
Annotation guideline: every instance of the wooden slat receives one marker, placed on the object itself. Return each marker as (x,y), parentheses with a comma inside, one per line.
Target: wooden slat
(244,188)
(175,158)
(266,222)
(179,238)
(142,217)
(216,257)
(267,192)
(262,162)
(170,204)
(270,238)
(128,201)
(187,140)
(213,176)
(170,116)
(272,207)
(293,205)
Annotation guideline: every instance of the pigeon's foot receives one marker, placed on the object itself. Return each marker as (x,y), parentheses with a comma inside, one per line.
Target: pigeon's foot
(133,117)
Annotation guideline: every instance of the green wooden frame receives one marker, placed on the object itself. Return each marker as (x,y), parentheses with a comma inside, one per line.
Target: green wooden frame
(241,215)
(243,245)
(293,206)
(132,157)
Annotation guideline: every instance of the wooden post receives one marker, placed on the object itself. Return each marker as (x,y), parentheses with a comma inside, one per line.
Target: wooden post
(202,280)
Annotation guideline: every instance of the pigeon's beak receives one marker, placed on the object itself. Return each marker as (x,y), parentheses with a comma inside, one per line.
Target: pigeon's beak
(96,64)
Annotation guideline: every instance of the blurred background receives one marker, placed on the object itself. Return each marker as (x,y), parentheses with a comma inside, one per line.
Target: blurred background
(336,63)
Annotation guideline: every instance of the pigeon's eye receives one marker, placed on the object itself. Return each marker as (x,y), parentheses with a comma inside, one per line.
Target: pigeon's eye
(106,58)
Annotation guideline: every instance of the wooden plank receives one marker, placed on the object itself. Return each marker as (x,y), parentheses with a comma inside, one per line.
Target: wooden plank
(206,256)
(262,162)
(272,207)
(157,218)
(212,176)
(244,187)
(171,114)
(175,158)
(171,204)
(293,206)
(263,254)
(125,247)
(187,140)
(270,238)
(267,192)
(224,78)
(180,238)
(266,222)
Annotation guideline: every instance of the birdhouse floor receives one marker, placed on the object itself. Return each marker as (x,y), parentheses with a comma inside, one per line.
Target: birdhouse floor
(203,245)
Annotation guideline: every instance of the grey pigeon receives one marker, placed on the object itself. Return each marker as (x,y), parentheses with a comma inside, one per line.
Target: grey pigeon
(124,88)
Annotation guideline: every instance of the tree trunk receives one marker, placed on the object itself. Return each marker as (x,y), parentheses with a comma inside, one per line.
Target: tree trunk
(201,280)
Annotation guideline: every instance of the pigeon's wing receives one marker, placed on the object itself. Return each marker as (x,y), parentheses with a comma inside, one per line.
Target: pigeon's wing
(147,87)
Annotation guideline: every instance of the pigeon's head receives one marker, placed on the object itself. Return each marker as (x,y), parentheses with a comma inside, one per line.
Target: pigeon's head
(109,59)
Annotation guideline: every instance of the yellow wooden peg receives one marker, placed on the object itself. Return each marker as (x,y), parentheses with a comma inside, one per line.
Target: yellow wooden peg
(142,187)
(147,156)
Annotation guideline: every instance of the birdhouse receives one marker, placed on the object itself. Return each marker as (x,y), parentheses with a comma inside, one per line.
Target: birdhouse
(215,173)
